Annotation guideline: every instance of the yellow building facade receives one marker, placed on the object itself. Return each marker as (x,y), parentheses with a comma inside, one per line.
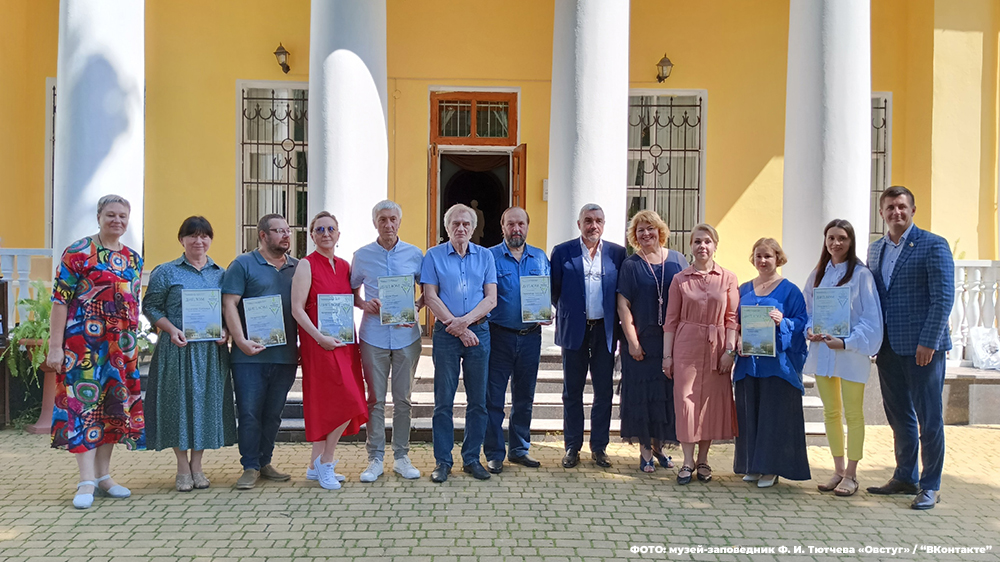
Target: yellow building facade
(934,62)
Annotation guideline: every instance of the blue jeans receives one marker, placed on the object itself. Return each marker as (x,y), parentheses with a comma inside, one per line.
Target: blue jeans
(449,356)
(261,389)
(512,357)
(593,355)
(911,396)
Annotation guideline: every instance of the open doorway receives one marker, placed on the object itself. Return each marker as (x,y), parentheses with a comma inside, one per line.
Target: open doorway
(481,181)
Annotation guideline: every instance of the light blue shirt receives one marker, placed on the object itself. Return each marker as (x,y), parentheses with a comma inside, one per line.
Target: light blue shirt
(593,276)
(459,280)
(509,271)
(371,262)
(891,253)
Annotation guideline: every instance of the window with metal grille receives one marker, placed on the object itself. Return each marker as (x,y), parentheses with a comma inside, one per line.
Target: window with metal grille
(274,148)
(881,159)
(665,155)
(474,118)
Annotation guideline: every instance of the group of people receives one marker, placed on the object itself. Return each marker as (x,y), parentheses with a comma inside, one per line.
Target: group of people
(685,378)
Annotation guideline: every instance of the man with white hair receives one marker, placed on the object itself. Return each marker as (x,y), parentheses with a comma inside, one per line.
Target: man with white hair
(459,279)
(386,348)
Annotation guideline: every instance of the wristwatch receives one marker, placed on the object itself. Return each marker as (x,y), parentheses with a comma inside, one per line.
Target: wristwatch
(731,352)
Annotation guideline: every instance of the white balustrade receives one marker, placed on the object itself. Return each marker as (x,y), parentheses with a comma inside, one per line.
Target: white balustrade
(15,267)
(977,303)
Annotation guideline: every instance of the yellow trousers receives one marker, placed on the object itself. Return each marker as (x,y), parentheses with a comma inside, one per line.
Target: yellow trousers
(843,399)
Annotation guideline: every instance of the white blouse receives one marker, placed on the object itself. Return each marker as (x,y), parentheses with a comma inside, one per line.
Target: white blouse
(852,363)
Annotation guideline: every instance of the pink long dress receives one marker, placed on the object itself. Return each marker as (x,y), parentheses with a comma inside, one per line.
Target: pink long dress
(700,307)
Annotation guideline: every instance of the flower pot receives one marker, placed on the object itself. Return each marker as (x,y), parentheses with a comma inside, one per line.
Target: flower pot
(44,423)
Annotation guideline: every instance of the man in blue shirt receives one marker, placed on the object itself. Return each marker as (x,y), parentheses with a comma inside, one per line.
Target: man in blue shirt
(390,347)
(515,345)
(262,376)
(459,280)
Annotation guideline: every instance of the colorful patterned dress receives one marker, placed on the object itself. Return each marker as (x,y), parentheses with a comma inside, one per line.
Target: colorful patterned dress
(97,394)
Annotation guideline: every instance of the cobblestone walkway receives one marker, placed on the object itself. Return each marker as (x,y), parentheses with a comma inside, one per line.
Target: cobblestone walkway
(523,514)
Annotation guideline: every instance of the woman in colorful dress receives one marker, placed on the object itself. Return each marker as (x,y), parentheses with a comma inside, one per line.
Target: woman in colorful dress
(842,364)
(333,388)
(647,397)
(189,394)
(92,347)
(699,344)
(772,434)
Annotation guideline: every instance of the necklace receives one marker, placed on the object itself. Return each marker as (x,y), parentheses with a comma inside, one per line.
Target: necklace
(659,284)
(101,242)
(763,285)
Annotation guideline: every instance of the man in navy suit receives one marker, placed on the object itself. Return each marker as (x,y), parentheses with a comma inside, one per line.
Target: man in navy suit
(914,272)
(584,279)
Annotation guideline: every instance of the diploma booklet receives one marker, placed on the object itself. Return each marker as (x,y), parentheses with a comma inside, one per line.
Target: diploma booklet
(335,315)
(536,298)
(201,314)
(832,311)
(265,320)
(396,294)
(757,330)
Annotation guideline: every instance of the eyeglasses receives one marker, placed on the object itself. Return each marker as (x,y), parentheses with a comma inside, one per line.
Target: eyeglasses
(325,229)
(281,231)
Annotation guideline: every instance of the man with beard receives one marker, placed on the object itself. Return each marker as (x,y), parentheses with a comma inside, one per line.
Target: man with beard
(262,376)
(515,345)
(584,280)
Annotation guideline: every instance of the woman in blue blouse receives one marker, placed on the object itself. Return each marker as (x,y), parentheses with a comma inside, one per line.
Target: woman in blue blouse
(189,399)
(841,365)
(772,437)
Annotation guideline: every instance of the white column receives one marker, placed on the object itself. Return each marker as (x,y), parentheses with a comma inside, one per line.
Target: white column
(348,143)
(100,96)
(588,132)
(827,127)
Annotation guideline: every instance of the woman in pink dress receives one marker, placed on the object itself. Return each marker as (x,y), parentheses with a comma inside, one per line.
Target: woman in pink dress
(699,344)
(333,396)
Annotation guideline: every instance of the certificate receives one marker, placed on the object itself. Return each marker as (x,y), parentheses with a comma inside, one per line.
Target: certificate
(757,330)
(201,314)
(832,311)
(265,320)
(536,298)
(335,316)
(395,292)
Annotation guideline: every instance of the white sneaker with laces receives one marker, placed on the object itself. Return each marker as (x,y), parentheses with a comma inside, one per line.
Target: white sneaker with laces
(327,477)
(313,473)
(373,471)
(405,468)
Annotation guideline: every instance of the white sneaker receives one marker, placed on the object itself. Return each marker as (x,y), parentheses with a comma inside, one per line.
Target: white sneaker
(405,468)
(313,473)
(373,471)
(327,477)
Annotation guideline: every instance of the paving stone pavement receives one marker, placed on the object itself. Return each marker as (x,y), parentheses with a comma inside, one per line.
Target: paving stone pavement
(523,514)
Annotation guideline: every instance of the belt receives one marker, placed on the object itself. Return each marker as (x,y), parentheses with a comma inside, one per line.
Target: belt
(478,322)
(595,322)
(524,332)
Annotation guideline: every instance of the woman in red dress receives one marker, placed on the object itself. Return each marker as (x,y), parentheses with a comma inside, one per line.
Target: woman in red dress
(333,394)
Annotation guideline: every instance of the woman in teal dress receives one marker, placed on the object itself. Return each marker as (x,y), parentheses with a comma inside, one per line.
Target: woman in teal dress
(189,399)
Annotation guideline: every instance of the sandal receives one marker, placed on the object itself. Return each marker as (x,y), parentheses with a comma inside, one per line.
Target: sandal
(646,466)
(200,481)
(665,461)
(681,479)
(184,482)
(704,472)
(849,490)
(831,485)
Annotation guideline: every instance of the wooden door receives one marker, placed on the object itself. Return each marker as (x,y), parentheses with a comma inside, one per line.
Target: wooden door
(519,169)
(433,157)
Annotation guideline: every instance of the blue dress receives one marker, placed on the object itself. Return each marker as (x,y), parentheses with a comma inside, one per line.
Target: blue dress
(647,395)
(772,436)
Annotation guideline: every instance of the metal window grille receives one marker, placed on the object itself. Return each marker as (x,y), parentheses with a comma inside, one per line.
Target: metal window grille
(665,152)
(491,119)
(274,147)
(881,112)
(456,118)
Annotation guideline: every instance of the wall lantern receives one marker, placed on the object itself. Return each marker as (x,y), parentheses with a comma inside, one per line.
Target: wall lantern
(282,55)
(663,68)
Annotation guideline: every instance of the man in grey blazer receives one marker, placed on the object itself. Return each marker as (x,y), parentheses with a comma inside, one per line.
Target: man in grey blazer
(914,272)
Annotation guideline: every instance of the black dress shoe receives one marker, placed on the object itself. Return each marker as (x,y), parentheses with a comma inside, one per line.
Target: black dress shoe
(601,458)
(926,499)
(495,467)
(440,473)
(477,471)
(893,486)
(525,460)
(572,458)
